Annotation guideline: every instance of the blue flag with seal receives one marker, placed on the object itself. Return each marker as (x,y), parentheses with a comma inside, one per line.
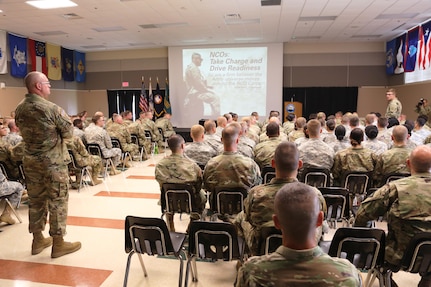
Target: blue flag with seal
(391,61)
(412,50)
(18,55)
(67,64)
(80,69)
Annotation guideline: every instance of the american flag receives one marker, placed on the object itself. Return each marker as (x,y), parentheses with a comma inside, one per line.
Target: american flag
(143,101)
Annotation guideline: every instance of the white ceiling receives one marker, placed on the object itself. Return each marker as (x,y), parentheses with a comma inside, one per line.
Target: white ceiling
(195,22)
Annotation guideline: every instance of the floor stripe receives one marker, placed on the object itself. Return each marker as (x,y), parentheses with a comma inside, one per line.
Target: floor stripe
(141,177)
(95,222)
(52,274)
(152,164)
(128,194)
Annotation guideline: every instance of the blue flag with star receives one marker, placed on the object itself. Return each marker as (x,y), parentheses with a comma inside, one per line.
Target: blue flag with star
(18,55)
(67,65)
(80,69)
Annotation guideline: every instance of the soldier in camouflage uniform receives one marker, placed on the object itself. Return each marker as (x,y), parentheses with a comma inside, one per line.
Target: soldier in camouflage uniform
(289,124)
(314,152)
(245,144)
(394,108)
(299,130)
(44,127)
(5,154)
(198,150)
(378,147)
(299,261)
(407,202)
(342,142)
(166,125)
(78,129)
(210,136)
(393,160)
(83,158)
(119,130)
(96,134)
(384,135)
(264,151)
(137,129)
(230,168)
(11,190)
(259,204)
(355,158)
(148,125)
(13,137)
(263,137)
(177,168)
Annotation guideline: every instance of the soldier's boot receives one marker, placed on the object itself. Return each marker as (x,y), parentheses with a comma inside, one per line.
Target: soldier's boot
(114,171)
(170,220)
(75,184)
(6,217)
(95,174)
(40,243)
(60,247)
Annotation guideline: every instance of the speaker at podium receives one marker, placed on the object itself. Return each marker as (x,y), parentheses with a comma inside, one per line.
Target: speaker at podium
(292,108)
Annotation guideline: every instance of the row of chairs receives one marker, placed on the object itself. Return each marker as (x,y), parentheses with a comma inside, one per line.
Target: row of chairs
(209,240)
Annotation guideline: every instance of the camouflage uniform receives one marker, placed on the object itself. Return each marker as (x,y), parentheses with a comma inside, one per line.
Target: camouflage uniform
(214,141)
(392,161)
(6,157)
(82,157)
(329,138)
(259,208)
(288,127)
(316,153)
(253,136)
(295,135)
(393,110)
(231,169)
(11,190)
(300,141)
(264,137)
(264,151)
(200,152)
(121,132)
(12,138)
(137,129)
(289,267)
(408,204)
(419,136)
(254,129)
(245,146)
(149,125)
(179,169)
(385,136)
(166,126)
(96,134)
(44,126)
(340,145)
(77,132)
(219,131)
(378,147)
(353,159)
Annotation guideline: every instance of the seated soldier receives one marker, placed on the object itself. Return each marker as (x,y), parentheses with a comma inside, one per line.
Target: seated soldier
(11,190)
(264,151)
(299,261)
(198,150)
(177,168)
(259,204)
(5,155)
(165,124)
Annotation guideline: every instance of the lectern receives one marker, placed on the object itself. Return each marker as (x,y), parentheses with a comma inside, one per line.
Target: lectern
(292,108)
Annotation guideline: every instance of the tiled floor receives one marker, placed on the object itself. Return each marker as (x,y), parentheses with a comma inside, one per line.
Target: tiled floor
(96,218)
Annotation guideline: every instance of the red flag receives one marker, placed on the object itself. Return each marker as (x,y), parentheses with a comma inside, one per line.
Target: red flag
(421,49)
(38,56)
(143,102)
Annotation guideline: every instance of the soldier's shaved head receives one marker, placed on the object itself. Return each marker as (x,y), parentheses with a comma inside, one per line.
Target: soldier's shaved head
(399,134)
(175,143)
(196,132)
(313,127)
(297,209)
(230,135)
(286,157)
(420,160)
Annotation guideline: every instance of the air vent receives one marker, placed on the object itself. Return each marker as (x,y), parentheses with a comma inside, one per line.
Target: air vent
(71,16)
(270,2)
(50,33)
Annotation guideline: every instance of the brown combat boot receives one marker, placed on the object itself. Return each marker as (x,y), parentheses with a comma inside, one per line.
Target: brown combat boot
(40,243)
(95,179)
(60,248)
(6,217)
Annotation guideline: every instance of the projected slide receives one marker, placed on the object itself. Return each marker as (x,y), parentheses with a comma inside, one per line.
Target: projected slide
(225,79)
(207,82)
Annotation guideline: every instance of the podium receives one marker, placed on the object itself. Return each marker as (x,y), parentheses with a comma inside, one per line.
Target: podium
(292,108)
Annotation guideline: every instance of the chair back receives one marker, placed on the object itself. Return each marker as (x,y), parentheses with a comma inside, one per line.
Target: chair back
(229,200)
(148,135)
(363,247)
(94,149)
(72,163)
(116,143)
(214,240)
(317,177)
(147,235)
(357,182)
(177,197)
(161,133)
(394,176)
(270,240)
(135,139)
(268,173)
(417,256)
(336,199)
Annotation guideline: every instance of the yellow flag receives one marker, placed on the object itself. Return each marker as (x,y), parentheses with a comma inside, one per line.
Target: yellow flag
(53,57)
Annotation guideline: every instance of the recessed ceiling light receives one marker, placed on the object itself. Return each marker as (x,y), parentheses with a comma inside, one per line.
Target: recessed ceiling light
(51,4)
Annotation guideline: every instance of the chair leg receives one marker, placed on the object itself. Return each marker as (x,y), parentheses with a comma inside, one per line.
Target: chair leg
(194,270)
(13,210)
(126,275)
(180,282)
(142,264)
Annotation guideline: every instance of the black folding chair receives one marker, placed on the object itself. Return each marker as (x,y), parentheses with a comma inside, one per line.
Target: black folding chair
(124,154)
(363,247)
(317,177)
(228,200)
(270,239)
(268,173)
(357,183)
(82,170)
(337,203)
(135,140)
(212,241)
(94,149)
(151,236)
